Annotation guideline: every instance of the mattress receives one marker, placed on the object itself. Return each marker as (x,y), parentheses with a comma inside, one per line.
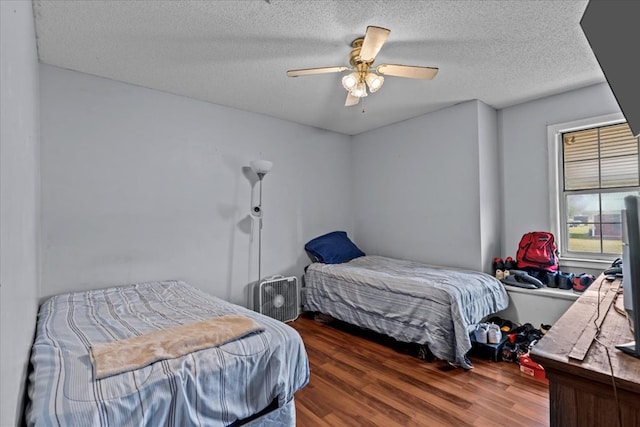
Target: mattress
(407,300)
(220,386)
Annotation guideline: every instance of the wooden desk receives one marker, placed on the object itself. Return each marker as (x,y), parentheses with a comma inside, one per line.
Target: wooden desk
(580,384)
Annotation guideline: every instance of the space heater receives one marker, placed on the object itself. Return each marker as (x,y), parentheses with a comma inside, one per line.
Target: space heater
(278,297)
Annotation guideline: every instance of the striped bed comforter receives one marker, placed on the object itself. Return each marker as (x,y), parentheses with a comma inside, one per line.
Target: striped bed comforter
(407,300)
(213,387)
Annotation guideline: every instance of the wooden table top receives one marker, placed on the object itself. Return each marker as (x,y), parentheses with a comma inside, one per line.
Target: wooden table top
(571,345)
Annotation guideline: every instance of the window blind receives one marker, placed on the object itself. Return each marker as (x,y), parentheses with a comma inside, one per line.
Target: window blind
(600,158)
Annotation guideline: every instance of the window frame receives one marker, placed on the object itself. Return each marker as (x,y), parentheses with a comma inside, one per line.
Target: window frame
(557,193)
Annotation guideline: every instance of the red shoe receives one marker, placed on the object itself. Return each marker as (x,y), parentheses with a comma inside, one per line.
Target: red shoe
(510,264)
(582,282)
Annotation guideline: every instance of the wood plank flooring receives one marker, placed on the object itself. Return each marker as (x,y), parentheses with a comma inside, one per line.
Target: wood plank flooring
(358,378)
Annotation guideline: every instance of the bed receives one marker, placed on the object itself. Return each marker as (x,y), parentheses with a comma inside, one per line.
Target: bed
(247,381)
(407,300)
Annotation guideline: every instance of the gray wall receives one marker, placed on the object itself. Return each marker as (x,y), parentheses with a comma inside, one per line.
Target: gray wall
(489,186)
(19,202)
(417,187)
(525,171)
(143,185)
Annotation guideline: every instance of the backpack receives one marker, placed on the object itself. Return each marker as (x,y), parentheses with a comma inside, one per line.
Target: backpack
(537,249)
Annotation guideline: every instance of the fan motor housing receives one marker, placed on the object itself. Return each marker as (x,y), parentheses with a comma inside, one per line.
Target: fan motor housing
(354,56)
(278,297)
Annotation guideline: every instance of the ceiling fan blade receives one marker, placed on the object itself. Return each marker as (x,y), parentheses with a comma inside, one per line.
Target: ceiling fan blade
(410,71)
(309,71)
(351,100)
(374,38)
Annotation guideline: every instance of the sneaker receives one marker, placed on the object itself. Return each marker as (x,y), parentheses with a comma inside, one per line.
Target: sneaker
(509,352)
(565,280)
(509,264)
(582,282)
(494,336)
(541,275)
(481,333)
(551,279)
(495,319)
(498,268)
(506,327)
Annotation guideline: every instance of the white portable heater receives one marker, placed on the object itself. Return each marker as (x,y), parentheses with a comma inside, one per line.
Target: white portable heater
(279,297)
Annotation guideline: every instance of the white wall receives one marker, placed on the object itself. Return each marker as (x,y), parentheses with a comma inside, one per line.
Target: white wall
(537,306)
(417,187)
(525,172)
(489,186)
(19,202)
(143,185)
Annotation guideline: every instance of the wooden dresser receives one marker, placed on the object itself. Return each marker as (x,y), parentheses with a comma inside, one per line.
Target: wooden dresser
(580,384)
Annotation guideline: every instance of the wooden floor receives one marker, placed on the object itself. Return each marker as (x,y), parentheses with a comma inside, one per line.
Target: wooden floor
(361,379)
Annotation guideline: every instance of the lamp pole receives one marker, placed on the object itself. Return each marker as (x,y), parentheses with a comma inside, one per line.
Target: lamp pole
(261,168)
(260,176)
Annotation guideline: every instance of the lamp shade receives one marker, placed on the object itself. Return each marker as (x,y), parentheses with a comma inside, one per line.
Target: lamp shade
(350,81)
(261,167)
(360,90)
(374,82)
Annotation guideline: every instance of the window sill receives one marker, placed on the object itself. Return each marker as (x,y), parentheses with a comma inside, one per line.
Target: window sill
(593,264)
(567,294)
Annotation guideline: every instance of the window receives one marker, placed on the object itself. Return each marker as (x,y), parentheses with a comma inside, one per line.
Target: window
(594,165)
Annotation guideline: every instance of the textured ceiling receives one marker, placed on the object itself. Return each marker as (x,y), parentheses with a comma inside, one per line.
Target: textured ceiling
(236,53)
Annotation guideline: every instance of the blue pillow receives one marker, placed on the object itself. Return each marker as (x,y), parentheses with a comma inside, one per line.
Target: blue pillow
(333,248)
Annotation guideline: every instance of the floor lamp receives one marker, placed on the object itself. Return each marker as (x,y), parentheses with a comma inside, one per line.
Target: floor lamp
(261,168)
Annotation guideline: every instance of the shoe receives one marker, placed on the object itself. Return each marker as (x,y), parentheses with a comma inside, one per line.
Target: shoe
(494,336)
(481,333)
(582,282)
(509,352)
(506,326)
(616,268)
(551,279)
(544,328)
(541,275)
(498,268)
(565,280)
(510,264)
(521,334)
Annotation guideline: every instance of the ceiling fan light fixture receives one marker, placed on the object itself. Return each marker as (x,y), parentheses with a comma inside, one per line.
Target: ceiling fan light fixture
(363,78)
(350,81)
(374,82)
(360,90)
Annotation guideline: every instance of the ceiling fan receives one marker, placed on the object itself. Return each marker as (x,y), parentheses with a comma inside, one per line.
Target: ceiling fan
(363,75)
